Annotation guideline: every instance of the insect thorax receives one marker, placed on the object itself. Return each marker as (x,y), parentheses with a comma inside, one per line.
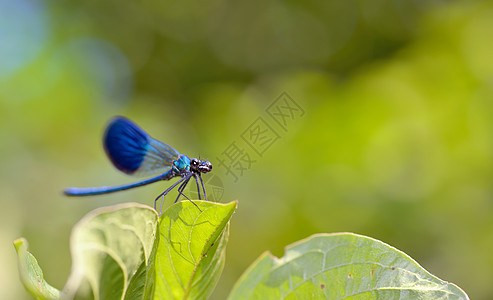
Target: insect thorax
(182,164)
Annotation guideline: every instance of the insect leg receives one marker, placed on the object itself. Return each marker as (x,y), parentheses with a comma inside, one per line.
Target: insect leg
(166,192)
(203,187)
(182,187)
(197,181)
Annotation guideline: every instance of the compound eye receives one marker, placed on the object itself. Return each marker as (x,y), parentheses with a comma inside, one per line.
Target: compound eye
(206,167)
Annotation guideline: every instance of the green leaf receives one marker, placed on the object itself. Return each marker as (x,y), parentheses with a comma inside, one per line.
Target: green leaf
(341,266)
(113,253)
(191,249)
(117,253)
(31,274)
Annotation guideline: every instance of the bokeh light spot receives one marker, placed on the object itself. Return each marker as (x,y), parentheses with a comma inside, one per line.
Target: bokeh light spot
(24,31)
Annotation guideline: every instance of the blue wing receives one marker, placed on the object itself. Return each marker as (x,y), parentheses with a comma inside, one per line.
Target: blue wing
(133,151)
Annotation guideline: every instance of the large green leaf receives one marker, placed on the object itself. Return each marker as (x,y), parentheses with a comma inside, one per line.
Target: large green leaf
(191,249)
(31,274)
(113,253)
(341,266)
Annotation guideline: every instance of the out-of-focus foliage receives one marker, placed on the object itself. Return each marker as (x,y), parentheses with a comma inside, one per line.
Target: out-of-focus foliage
(31,274)
(112,251)
(395,141)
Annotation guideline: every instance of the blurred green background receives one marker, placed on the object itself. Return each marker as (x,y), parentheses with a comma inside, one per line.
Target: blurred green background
(396,139)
